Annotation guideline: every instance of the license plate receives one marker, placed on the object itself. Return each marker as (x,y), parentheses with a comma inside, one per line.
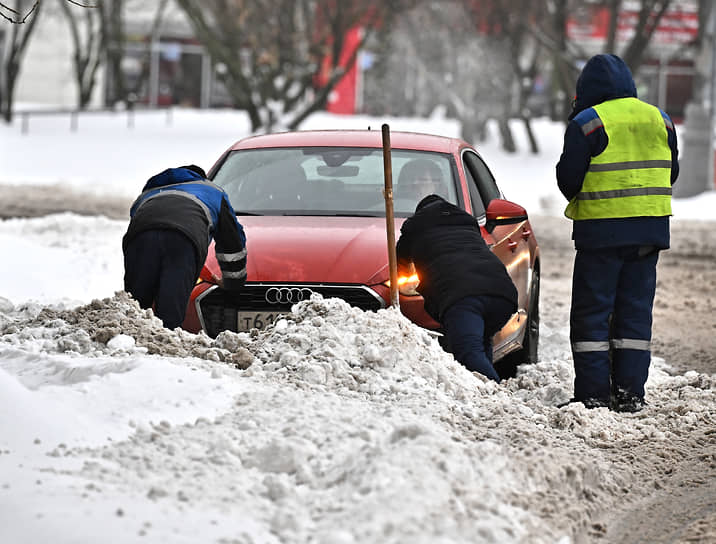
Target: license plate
(255,320)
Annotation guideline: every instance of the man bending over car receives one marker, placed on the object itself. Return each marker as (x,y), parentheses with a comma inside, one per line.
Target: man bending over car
(465,286)
(171,225)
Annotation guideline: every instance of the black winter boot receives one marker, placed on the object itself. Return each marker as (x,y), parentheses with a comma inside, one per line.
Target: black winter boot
(588,403)
(624,401)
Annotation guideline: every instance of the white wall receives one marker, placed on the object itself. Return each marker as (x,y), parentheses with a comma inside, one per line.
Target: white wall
(46,77)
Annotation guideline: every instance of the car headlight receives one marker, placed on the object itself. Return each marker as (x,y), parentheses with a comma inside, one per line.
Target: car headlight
(407,285)
(207,276)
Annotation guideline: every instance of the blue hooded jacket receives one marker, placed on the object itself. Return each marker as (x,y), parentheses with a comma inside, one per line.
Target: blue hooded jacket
(606,77)
(182,199)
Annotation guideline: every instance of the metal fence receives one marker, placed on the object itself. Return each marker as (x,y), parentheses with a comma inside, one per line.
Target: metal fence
(74,115)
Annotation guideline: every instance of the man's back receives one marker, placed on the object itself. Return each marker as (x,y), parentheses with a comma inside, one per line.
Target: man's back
(451,257)
(606,95)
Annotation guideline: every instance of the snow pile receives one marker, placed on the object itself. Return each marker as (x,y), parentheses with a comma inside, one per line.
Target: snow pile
(62,257)
(333,425)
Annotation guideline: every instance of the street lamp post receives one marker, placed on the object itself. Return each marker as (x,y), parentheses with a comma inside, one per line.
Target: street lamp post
(696,161)
(711,39)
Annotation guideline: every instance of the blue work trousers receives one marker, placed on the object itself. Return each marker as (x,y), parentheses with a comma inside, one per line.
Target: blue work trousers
(469,326)
(612,288)
(160,270)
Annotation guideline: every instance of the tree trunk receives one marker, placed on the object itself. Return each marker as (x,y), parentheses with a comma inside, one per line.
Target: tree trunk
(318,104)
(19,38)
(113,35)
(508,142)
(473,129)
(534,146)
(9,92)
(562,67)
(614,8)
(649,18)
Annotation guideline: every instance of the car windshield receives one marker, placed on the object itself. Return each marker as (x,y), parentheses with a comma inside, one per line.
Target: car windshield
(332,180)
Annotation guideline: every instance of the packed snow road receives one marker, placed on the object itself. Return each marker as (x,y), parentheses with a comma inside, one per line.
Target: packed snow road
(677,501)
(338,425)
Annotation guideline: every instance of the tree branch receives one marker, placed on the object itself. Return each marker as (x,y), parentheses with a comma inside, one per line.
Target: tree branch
(18,21)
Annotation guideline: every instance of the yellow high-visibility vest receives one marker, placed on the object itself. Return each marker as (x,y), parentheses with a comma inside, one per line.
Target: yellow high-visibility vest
(632,176)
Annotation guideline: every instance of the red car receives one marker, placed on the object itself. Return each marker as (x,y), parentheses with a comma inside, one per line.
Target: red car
(312,206)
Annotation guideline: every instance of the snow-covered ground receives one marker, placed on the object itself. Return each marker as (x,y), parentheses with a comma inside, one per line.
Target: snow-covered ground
(334,426)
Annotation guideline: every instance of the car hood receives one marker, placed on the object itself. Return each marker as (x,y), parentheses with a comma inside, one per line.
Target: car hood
(315,249)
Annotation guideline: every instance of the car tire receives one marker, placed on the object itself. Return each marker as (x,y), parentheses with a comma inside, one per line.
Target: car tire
(527,354)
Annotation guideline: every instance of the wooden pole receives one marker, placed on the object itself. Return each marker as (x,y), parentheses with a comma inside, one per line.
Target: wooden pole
(389,221)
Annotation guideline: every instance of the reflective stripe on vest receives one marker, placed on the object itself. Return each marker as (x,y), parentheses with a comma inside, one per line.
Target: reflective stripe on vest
(632,176)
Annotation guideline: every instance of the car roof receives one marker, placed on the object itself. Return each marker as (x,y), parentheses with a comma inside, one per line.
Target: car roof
(352,138)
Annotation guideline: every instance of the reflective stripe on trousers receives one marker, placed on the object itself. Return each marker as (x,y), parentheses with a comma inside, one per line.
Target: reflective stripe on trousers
(616,343)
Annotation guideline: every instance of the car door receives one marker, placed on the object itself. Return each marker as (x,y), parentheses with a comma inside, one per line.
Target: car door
(508,242)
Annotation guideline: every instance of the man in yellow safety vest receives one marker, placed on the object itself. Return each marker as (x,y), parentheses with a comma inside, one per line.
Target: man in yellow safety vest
(618,164)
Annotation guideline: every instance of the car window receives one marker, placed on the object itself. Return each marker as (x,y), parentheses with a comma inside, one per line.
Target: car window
(332,180)
(482,177)
(478,209)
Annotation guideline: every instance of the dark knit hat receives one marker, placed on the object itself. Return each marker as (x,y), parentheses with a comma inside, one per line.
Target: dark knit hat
(429,200)
(196,169)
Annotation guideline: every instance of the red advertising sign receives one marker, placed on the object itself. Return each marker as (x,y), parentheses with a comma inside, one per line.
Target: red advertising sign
(680,24)
(343,97)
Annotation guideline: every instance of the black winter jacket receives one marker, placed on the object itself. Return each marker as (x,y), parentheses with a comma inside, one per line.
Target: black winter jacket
(450,256)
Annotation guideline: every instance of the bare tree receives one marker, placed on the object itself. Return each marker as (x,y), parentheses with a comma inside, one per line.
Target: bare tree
(452,67)
(102,41)
(88,43)
(534,36)
(19,12)
(274,51)
(650,14)
(143,76)
(509,19)
(551,33)
(25,15)
(702,79)
(531,28)
(564,60)
(23,11)
(614,7)
(112,23)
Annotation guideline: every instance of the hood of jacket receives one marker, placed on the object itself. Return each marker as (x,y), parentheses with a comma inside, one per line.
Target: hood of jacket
(170,176)
(433,210)
(604,77)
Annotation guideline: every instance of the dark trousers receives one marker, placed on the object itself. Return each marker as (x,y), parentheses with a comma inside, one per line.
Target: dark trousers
(469,326)
(616,282)
(160,270)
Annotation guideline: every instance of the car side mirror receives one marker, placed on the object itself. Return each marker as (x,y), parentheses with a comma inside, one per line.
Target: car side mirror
(503,212)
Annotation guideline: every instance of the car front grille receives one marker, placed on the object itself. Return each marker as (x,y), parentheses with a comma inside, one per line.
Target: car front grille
(218,308)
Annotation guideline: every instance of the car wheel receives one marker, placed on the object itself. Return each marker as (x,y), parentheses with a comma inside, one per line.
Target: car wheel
(527,354)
